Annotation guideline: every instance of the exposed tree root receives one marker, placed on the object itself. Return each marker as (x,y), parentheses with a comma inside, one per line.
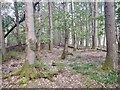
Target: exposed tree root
(30,73)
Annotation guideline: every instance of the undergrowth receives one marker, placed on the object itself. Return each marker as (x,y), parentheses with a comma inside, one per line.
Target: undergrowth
(11,54)
(94,71)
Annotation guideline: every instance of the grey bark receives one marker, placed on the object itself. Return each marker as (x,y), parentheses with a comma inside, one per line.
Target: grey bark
(87,27)
(30,33)
(73,26)
(65,51)
(94,36)
(2,40)
(111,57)
(50,26)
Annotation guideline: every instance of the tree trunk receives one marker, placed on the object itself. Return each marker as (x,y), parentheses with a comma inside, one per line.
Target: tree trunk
(30,33)
(119,51)
(111,57)
(104,40)
(2,40)
(17,22)
(50,26)
(86,26)
(94,36)
(38,39)
(56,38)
(73,26)
(65,51)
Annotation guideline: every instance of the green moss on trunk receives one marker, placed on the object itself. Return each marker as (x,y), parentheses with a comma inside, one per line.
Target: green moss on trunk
(63,56)
(108,65)
(28,71)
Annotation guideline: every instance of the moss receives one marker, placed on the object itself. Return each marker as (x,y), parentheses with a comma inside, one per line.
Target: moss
(63,56)
(32,45)
(108,65)
(28,71)
(49,75)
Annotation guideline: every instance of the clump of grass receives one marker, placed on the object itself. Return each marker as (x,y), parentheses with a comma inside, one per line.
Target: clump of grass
(61,65)
(41,65)
(84,69)
(78,56)
(72,59)
(93,72)
(11,54)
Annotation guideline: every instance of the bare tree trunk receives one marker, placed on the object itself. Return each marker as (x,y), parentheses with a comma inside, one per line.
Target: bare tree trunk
(56,38)
(50,26)
(104,39)
(2,40)
(73,26)
(65,51)
(38,39)
(111,57)
(17,22)
(119,50)
(86,26)
(94,37)
(30,33)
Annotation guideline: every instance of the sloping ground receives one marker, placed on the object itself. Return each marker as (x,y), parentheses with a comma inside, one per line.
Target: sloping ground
(70,75)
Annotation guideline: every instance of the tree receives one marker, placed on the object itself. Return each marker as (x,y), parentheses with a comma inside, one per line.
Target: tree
(2,41)
(28,71)
(73,25)
(65,51)
(17,21)
(119,48)
(111,57)
(50,26)
(87,38)
(94,36)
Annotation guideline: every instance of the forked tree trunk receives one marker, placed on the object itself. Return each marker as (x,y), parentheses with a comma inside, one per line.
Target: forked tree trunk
(111,57)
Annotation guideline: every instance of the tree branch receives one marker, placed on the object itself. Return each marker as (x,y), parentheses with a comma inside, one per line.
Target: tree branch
(23,18)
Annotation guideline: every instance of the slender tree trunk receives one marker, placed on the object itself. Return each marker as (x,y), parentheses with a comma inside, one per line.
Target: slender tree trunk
(38,39)
(86,26)
(104,40)
(94,37)
(119,50)
(111,57)
(2,40)
(65,51)
(73,26)
(50,26)
(56,38)
(17,22)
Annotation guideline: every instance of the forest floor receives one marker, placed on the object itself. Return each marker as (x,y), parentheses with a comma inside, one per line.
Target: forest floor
(80,70)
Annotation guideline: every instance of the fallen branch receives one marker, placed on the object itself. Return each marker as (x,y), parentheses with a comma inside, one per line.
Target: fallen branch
(105,50)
